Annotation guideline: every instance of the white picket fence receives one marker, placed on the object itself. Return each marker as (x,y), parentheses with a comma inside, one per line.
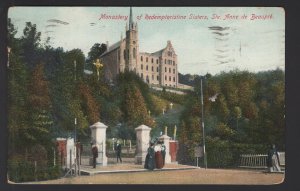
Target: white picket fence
(258,161)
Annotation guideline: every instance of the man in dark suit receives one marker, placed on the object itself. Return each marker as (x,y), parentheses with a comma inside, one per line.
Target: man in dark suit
(119,150)
(95,153)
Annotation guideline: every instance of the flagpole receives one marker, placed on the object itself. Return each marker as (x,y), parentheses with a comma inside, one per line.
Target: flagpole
(203,132)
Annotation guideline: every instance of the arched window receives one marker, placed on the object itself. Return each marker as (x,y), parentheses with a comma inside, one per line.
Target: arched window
(166,77)
(156,69)
(156,61)
(169,78)
(152,69)
(134,53)
(173,71)
(151,60)
(142,66)
(173,79)
(141,58)
(147,67)
(124,53)
(152,77)
(142,75)
(165,61)
(169,70)
(165,69)
(173,63)
(146,59)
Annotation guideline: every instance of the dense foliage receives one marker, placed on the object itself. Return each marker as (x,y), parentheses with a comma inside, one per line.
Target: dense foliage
(247,113)
(48,89)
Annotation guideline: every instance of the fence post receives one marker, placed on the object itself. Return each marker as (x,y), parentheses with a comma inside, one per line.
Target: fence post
(71,161)
(79,154)
(54,162)
(35,170)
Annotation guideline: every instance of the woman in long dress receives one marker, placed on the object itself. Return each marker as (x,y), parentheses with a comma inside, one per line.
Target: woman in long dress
(158,156)
(150,158)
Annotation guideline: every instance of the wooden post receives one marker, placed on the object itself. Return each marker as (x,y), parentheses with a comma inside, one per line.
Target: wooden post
(79,154)
(35,170)
(71,161)
(54,161)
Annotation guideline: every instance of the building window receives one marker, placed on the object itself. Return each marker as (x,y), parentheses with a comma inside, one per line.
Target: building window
(142,76)
(156,61)
(169,70)
(147,79)
(146,59)
(141,58)
(157,77)
(156,69)
(152,77)
(124,53)
(173,71)
(173,79)
(165,77)
(142,67)
(151,60)
(169,78)
(165,61)
(152,69)
(147,67)
(173,63)
(165,69)
(134,53)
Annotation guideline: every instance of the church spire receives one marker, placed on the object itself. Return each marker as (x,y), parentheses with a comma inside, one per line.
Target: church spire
(130,20)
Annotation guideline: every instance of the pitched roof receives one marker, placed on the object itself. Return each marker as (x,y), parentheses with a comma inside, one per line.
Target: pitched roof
(111,48)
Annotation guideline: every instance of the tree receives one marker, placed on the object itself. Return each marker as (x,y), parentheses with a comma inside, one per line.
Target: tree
(31,44)
(134,107)
(95,52)
(40,108)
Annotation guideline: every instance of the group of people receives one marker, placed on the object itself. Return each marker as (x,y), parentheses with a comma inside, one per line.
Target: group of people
(118,149)
(155,157)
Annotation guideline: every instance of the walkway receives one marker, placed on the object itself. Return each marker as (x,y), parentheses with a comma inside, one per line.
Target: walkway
(129,167)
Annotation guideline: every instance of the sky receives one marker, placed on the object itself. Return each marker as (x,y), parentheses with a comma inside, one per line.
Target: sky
(243,43)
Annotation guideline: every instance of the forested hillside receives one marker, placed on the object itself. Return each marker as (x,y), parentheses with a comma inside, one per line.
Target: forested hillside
(48,89)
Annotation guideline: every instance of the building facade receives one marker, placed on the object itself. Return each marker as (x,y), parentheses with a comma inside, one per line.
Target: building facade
(158,68)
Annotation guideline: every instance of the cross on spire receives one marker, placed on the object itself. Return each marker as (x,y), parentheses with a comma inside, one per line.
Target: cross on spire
(130,19)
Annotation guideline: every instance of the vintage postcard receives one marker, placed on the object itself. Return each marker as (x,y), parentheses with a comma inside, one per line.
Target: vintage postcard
(146,95)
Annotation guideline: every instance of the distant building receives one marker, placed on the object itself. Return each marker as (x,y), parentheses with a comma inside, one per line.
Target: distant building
(158,68)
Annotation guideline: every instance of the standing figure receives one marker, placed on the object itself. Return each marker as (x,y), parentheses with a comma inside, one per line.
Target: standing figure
(150,157)
(119,150)
(273,160)
(94,152)
(158,156)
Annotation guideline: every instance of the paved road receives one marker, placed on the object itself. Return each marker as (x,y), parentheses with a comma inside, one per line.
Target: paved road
(195,176)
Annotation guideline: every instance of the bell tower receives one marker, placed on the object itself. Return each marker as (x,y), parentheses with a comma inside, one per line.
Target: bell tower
(132,45)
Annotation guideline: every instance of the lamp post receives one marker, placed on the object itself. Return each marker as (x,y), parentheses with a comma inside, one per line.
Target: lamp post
(203,131)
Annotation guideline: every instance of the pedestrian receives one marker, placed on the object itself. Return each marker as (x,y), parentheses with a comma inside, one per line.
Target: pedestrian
(273,160)
(158,156)
(119,151)
(94,152)
(150,157)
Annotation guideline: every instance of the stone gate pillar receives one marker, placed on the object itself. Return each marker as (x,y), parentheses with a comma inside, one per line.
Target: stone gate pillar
(99,135)
(142,143)
(166,140)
